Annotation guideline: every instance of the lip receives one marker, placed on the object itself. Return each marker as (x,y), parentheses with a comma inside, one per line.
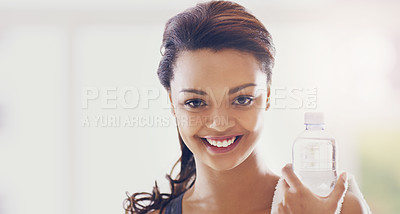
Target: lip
(215,149)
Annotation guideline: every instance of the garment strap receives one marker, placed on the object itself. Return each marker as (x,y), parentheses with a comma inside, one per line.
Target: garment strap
(175,205)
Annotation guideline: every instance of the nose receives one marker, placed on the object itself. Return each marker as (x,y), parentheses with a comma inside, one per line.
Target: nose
(220,120)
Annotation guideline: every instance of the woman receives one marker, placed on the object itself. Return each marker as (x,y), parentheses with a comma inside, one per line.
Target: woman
(216,67)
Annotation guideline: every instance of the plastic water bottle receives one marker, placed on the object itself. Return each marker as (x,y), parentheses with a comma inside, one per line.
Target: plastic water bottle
(314,155)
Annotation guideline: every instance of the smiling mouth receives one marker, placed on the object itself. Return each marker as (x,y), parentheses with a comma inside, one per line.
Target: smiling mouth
(221,142)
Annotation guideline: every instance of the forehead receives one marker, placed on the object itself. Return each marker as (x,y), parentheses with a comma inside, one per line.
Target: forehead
(216,69)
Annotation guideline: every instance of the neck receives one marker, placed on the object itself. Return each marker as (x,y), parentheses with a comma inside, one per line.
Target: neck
(248,187)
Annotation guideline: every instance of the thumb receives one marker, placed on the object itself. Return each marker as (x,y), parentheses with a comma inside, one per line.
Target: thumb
(340,188)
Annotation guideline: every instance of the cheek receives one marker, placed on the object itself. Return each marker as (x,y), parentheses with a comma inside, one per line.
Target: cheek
(254,117)
(189,123)
(251,120)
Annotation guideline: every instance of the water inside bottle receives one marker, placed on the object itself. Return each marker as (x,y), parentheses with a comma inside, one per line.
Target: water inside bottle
(319,182)
(314,162)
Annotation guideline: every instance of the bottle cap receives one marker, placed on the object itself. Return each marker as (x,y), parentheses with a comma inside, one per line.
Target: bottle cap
(314,118)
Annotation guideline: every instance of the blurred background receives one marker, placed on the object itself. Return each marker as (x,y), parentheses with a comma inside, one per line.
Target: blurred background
(83,117)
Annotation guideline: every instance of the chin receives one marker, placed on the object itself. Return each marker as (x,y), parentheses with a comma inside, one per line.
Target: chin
(225,165)
(229,162)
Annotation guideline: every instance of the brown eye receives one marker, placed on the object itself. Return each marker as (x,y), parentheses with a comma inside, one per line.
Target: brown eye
(195,103)
(243,100)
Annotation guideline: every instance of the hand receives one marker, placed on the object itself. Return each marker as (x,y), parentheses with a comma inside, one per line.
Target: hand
(298,199)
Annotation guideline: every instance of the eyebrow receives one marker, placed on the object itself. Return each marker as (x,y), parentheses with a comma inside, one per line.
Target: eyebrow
(231,91)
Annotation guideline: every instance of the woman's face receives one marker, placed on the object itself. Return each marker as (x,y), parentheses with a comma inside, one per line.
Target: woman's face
(219,99)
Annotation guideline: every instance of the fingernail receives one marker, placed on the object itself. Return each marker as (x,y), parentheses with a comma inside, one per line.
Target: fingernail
(344,176)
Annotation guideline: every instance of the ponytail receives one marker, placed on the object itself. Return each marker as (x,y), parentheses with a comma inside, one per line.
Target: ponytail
(156,200)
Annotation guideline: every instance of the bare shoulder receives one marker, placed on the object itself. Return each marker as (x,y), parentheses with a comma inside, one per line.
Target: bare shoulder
(351,204)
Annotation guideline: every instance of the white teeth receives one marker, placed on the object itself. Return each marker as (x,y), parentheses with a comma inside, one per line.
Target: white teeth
(224,143)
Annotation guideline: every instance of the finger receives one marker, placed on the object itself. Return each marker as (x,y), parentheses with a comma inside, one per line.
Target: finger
(282,209)
(289,176)
(285,186)
(340,188)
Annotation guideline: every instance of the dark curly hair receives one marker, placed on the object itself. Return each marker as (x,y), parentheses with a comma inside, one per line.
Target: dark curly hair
(213,25)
